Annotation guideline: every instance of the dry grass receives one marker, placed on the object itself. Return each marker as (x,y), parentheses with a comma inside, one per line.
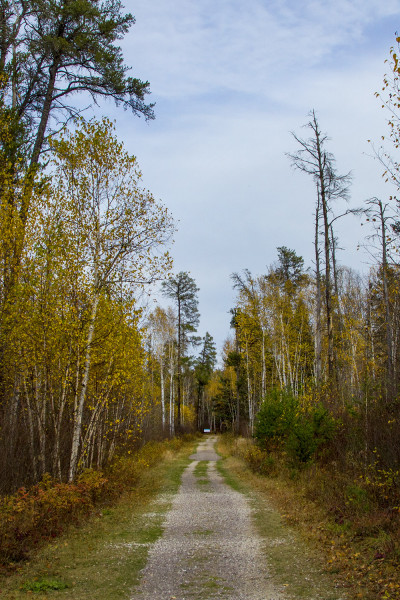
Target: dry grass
(102,558)
(360,543)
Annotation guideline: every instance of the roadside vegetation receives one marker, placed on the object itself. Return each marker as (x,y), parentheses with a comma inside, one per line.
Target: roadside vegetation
(348,519)
(89,374)
(32,518)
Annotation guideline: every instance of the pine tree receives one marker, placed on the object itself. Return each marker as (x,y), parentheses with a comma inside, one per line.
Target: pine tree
(182,290)
(204,368)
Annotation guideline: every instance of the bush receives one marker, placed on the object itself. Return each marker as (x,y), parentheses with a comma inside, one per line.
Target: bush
(31,516)
(283,423)
(311,431)
(254,457)
(261,461)
(275,419)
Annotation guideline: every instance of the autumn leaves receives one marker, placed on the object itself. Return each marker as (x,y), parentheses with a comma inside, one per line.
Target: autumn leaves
(94,238)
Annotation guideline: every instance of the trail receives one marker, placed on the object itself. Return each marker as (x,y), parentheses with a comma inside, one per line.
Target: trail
(209,548)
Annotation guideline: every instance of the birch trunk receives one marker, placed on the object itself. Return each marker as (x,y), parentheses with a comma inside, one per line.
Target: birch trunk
(162,383)
(78,416)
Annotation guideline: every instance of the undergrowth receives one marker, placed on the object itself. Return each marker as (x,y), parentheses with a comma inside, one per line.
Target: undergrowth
(355,518)
(30,517)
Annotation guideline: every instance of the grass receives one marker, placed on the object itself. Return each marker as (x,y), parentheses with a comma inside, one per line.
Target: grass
(201,469)
(201,474)
(44,584)
(103,559)
(356,543)
(292,562)
(202,532)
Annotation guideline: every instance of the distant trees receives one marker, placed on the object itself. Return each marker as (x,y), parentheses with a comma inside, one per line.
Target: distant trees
(182,364)
(273,330)
(275,326)
(162,330)
(182,290)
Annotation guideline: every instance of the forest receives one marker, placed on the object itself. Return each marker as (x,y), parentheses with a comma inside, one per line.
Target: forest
(88,372)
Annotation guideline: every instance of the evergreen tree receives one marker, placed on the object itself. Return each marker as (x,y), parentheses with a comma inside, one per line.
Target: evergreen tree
(291,266)
(204,368)
(182,290)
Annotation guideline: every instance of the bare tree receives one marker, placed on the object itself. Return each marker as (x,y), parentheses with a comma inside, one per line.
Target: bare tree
(315,160)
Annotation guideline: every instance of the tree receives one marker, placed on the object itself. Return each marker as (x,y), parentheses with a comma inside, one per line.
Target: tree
(290,267)
(161,324)
(182,290)
(383,221)
(313,159)
(390,98)
(273,331)
(51,50)
(204,368)
(117,228)
(233,358)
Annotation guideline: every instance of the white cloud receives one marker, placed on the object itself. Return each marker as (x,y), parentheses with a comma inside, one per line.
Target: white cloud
(195,48)
(231,80)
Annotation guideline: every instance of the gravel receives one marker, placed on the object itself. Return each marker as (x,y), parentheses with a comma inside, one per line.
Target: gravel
(209,548)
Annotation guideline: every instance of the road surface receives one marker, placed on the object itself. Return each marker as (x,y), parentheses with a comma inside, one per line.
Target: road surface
(209,548)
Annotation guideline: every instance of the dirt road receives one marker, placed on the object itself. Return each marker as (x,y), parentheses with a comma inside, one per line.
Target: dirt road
(209,548)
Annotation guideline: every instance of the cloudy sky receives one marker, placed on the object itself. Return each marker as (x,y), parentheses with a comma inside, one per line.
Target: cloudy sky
(231,80)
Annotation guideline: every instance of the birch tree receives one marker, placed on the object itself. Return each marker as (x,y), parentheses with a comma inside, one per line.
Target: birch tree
(117,227)
(161,324)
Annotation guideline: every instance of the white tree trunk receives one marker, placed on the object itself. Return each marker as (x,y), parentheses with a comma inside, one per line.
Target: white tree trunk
(79,409)
(162,382)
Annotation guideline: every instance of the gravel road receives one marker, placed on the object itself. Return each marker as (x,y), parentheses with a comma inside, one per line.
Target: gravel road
(209,548)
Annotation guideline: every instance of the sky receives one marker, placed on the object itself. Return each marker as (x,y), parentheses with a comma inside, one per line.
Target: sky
(231,80)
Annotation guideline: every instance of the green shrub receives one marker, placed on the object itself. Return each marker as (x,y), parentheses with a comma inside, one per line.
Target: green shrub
(357,499)
(275,418)
(301,443)
(283,423)
(310,431)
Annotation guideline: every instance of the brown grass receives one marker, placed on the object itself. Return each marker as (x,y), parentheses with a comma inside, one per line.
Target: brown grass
(359,539)
(32,517)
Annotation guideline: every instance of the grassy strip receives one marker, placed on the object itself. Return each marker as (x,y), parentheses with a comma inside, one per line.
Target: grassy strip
(201,474)
(103,558)
(359,548)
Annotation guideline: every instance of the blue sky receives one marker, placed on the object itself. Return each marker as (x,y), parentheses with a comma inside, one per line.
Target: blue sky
(230,80)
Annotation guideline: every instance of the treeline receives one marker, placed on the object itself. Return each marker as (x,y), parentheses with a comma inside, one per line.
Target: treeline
(79,240)
(85,372)
(274,352)
(73,377)
(317,350)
